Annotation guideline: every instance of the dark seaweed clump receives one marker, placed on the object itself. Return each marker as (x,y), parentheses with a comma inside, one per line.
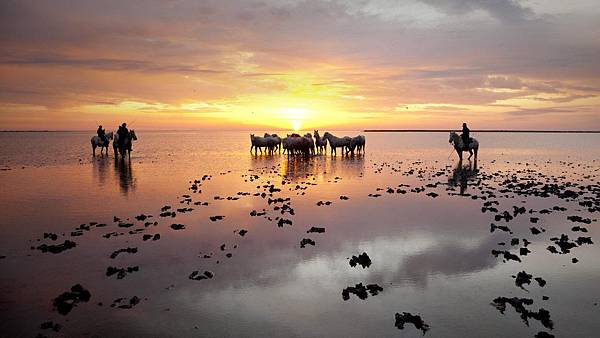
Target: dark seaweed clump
(67,300)
(360,291)
(57,248)
(519,304)
(362,259)
(409,318)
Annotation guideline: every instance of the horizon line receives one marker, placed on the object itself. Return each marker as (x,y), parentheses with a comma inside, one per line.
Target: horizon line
(481,131)
(363,130)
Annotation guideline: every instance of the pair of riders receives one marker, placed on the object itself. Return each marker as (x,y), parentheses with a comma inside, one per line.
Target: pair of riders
(123,132)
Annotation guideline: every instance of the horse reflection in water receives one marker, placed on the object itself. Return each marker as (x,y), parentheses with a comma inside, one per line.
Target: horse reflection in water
(122,174)
(125,174)
(323,168)
(100,169)
(462,174)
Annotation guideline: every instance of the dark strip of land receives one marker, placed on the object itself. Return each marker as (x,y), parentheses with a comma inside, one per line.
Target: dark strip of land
(480,131)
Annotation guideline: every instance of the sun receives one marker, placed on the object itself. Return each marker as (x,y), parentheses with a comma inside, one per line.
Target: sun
(296,125)
(296,116)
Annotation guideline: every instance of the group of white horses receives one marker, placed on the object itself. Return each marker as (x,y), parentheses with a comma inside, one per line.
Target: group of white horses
(126,148)
(309,144)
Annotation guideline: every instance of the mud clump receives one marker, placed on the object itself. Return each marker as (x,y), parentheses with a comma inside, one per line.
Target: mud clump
(504,228)
(579,219)
(142,217)
(306,241)
(67,300)
(507,255)
(50,235)
(283,221)
(57,248)
(542,315)
(168,214)
(363,260)
(361,291)
(121,272)
(316,230)
(541,281)
(127,250)
(121,304)
(523,278)
(196,275)
(563,243)
(176,226)
(409,318)
(146,237)
(50,325)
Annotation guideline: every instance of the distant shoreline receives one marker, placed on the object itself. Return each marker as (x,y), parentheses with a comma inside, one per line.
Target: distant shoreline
(365,131)
(482,131)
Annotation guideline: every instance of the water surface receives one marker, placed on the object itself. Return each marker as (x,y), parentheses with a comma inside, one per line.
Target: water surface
(432,255)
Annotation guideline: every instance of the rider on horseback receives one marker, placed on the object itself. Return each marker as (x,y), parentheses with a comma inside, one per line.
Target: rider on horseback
(465,136)
(102,135)
(123,133)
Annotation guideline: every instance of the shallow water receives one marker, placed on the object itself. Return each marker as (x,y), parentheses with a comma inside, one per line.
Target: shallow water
(431,255)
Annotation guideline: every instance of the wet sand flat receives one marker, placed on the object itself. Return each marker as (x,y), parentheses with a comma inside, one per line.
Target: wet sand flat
(195,236)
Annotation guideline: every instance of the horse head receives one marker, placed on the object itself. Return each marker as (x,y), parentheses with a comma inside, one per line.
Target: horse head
(453,136)
(326,135)
(132,135)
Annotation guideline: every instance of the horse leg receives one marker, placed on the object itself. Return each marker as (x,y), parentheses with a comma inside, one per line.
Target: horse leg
(476,149)
(470,153)
(93,150)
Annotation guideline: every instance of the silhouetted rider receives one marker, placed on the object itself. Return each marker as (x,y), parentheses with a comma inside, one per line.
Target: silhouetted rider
(102,135)
(123,133)
(465,136)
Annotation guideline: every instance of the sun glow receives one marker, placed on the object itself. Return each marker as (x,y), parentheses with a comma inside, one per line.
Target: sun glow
(295,116)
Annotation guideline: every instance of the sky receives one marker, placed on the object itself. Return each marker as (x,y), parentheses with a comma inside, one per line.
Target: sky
(282,64)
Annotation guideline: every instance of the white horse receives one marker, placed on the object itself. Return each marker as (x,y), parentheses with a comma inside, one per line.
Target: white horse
(126,146)
(97,142)
(258,143)
(310,144)
(459,146)
(296,144)
(337,142)
(359,143)
(320,142)
(276,140)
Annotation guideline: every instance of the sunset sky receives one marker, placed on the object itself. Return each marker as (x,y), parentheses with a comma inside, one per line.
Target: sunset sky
(69,65)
